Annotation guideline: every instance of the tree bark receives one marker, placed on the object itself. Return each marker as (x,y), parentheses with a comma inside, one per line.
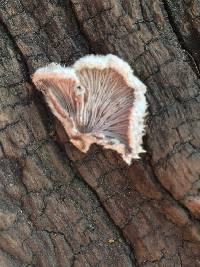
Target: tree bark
(60,207)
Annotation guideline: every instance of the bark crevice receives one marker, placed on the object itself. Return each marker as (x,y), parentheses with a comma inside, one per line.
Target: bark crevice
(193,62)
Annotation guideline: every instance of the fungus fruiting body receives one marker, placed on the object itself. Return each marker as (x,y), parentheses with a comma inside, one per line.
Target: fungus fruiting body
(98,100)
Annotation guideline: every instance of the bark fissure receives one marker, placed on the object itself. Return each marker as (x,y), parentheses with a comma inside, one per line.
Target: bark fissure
(192,60)
(94,191)
(23,61)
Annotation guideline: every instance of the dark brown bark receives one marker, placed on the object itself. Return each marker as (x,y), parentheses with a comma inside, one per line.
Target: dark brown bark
(60,207)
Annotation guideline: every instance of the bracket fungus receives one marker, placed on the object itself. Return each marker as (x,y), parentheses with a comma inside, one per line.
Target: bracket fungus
(98,100)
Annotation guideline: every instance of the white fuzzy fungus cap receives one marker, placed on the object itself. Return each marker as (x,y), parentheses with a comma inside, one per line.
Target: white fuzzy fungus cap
(98,100)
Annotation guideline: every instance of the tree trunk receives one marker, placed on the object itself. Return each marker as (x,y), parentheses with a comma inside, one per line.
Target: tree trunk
(60,207)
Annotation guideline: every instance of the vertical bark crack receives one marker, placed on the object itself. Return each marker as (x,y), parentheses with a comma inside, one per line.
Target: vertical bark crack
(193,62)
(18,51)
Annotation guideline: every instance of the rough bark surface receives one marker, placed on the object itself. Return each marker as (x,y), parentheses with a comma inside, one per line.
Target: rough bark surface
(60,207)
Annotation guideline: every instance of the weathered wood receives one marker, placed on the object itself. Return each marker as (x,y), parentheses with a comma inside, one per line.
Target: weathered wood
(60,207)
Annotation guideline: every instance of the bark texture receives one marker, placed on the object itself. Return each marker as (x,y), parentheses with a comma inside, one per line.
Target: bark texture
(60,207)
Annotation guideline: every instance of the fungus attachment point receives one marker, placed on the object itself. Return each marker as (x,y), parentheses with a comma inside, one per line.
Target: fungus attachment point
(79,90)
(98,100)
